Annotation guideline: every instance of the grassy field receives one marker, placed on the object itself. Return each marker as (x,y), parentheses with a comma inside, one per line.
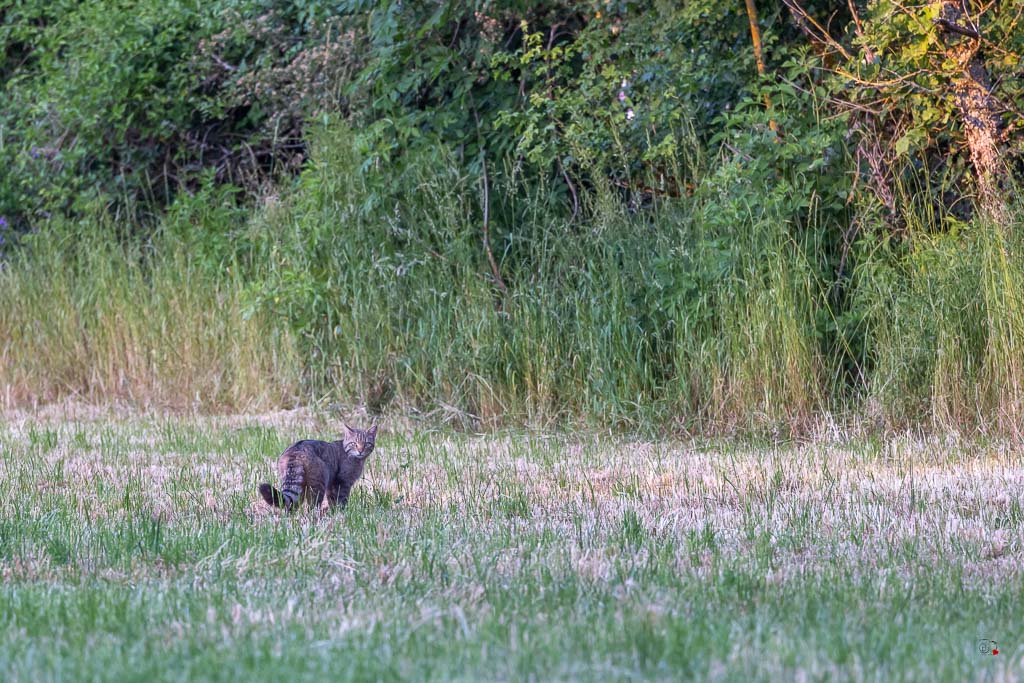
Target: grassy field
(136,548)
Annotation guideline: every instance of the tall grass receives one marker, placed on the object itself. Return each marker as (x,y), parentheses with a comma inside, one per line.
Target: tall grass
(945,323)
(371,285)
(753,357)
(632,319)
(92,314)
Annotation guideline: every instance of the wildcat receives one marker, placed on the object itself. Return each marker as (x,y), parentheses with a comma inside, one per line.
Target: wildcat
(311,470)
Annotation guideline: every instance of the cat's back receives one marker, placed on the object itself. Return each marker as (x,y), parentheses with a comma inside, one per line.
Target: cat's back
(306,451)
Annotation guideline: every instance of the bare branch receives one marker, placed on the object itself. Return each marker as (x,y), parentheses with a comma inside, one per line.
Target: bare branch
(755,36)
(487,229)
(487,209)
(805,21)
(222,64)
(948,25)
(572,191)
(868,54)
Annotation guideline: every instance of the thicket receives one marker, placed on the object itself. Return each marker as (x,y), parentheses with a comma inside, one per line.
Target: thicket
(516,211)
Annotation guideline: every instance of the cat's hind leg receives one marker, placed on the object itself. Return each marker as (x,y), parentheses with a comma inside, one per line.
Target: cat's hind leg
(293,481)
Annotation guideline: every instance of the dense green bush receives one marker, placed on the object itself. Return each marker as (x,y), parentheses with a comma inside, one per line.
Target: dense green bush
(124,104)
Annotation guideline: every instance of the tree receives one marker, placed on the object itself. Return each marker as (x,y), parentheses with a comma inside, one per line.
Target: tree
(930,82)
(972,92)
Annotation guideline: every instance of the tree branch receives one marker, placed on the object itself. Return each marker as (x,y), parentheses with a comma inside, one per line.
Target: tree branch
(487,209)
(859,28)
(487,228)
(948,25)
(818,33)
(755,37)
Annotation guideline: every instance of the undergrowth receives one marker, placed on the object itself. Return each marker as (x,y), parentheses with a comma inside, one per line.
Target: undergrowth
(714,312)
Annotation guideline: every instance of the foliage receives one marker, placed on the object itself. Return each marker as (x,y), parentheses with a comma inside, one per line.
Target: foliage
(897,76)
(120,102)
(124,103)
(675,239)
(580,93)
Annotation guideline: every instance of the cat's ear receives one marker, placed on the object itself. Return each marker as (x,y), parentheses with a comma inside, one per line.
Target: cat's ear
(373,430)
(348,430)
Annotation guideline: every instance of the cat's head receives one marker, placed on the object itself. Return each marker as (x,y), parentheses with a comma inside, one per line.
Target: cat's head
(359,443)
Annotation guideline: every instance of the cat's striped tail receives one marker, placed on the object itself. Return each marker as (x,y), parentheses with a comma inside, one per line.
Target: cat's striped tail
(279,499)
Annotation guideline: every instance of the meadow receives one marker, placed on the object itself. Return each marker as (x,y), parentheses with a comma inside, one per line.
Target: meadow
(136,548)
(694,334)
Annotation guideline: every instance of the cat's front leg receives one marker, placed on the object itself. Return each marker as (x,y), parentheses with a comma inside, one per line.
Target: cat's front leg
(338,494)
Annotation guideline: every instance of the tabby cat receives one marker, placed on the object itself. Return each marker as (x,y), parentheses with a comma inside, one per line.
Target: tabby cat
(311,470)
